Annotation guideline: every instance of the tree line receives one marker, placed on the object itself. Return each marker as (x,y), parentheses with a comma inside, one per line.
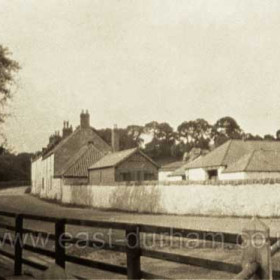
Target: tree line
(167,142)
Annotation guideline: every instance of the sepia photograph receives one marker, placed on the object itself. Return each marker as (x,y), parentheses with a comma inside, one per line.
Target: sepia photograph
(139,139)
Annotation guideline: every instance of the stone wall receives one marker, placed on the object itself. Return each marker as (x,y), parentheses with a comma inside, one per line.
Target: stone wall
(224,200)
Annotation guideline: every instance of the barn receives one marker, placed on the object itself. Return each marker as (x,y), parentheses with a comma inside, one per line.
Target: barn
(237,160)
(124,166)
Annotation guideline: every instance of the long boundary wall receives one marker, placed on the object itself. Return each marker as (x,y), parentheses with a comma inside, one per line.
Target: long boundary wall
(224,200)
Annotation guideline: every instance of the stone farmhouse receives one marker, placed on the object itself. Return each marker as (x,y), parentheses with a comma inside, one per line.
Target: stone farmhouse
(67,158)
(237,160)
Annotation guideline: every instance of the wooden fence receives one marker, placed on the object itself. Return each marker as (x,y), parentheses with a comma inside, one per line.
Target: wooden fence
(255,241)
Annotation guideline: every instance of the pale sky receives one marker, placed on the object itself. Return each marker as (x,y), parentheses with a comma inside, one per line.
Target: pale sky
(135,61)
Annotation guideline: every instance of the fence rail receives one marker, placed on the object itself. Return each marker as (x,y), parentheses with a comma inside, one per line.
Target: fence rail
(255,261)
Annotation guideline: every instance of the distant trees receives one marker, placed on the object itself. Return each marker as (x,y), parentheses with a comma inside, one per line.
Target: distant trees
(15,167)
(159,140)
(269,137)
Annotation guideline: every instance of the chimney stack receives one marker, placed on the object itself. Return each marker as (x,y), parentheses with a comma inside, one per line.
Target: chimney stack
(115,139)
(84,119)
(54,139)
(67,130)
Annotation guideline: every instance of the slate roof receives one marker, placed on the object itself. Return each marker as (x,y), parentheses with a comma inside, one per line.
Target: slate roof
(79,163)
(256,161)
(113,159)
(231,152)
(99,142)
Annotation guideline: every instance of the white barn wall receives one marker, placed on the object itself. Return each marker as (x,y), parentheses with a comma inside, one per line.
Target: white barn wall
(261,175)
(175,179)
(227,200)
(163,175)
(197,174)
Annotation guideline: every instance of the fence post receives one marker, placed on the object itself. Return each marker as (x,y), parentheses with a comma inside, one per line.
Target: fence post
(59,243)
(18,245)
(256,248)
(133,253)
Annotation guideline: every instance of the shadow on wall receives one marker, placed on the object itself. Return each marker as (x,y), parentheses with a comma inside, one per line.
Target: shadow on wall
(81,195)
(137,199)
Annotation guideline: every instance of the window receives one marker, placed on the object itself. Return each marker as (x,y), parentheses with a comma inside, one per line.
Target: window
(212,174)
(138,177)
(125,176)
(148,176)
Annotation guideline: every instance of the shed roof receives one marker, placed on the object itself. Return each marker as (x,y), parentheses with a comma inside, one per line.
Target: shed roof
(230,152)
(113,159)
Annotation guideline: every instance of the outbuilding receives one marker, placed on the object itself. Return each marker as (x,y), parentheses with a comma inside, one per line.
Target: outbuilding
(124,166)
(237,160)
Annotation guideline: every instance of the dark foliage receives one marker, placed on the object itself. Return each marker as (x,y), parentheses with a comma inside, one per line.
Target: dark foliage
(15,167)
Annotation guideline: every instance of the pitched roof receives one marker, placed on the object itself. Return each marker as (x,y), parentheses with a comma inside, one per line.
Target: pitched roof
(172,166)
(257,161)
(178,172)
(230,152)
(79,163)
(99,142)
(113,159)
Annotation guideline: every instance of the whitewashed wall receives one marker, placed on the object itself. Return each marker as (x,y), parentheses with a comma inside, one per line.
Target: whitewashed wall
(197,174)
(175,178)
(163,175)
(36,176)
(241,200)
(43,182)
(261,175)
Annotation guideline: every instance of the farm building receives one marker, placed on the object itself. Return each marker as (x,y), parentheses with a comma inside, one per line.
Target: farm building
(175,171)
(127,165)
(166,170)
(237,160)
(66,159)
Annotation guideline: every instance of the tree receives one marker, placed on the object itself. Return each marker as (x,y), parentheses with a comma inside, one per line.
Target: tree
(136,133)
(278,135)
(15,167)
(195,133)
(251,137)
(224,129)
(7,69)
(163,138)
(129,137)
(269,137)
